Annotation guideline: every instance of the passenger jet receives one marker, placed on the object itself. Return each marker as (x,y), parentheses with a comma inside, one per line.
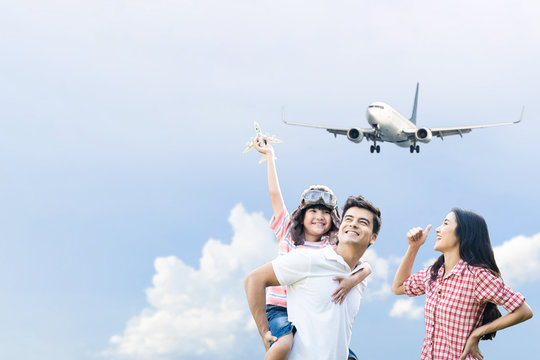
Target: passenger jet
(389,125)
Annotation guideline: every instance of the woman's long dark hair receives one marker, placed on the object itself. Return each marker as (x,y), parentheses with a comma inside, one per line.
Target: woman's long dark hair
(475,248)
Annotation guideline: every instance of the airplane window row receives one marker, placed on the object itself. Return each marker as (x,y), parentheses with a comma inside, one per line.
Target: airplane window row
(376,106)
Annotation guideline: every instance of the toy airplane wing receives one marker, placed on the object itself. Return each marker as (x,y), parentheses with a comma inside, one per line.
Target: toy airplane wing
(258,134)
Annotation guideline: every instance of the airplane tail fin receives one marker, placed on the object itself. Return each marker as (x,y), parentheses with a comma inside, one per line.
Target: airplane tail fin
(413,117)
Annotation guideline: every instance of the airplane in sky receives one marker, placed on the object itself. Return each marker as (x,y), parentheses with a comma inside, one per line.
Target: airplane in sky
(389,125)
(258,134)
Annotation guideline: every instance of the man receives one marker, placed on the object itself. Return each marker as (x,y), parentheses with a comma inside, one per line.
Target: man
(323,327)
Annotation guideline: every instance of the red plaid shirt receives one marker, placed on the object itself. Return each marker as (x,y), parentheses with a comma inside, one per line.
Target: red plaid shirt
(454,306)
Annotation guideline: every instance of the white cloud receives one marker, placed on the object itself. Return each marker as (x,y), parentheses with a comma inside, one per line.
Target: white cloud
(406,308)
(379,284)
(201,313)
(519,259)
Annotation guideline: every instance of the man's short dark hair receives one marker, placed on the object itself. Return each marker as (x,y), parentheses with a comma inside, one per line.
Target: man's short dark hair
(362,203)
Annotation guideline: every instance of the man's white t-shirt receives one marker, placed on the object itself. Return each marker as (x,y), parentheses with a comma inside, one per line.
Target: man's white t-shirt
(323,328)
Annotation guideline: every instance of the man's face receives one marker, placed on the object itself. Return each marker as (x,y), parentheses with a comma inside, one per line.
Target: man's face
(357,227)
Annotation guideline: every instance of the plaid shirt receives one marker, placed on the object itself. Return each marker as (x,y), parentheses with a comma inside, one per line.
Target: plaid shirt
(454,306)
(277,295)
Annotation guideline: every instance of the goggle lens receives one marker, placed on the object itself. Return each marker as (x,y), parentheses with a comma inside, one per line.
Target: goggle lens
(318,196)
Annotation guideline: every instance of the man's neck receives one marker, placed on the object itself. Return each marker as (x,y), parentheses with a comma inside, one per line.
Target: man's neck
(350,253)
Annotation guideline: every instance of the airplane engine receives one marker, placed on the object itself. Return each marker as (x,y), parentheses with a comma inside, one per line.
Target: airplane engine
(423,135)
(355,135)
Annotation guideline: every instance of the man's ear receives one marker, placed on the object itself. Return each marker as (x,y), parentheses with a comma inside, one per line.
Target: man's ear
(373,238)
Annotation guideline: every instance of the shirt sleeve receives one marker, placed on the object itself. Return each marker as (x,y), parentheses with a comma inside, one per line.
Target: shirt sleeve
(416,284)
(292,267)
(490,288)
(280,224)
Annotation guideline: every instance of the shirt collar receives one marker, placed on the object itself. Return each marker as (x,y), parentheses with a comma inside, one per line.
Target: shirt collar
(331,254)
(458,269)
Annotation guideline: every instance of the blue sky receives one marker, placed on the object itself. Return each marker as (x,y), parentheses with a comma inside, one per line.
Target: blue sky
(129,216)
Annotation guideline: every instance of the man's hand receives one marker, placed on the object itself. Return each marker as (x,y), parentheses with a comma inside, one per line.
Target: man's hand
(417,237)
(472,348)
(267,338)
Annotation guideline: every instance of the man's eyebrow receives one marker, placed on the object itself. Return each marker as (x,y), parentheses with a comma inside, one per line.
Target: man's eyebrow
(362,218)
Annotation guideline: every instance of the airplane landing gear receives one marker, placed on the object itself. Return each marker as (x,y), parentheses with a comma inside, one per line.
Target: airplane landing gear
(374,148)
(414,148)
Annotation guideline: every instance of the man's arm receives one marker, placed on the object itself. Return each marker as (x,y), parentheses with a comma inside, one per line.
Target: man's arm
(347,283)
(274,190)
(416,237)
(255,285)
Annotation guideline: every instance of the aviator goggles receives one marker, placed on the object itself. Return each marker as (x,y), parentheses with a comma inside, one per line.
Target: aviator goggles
(318,196)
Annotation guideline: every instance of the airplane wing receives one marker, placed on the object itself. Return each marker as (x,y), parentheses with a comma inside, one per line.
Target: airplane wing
(458,130)
(370,134)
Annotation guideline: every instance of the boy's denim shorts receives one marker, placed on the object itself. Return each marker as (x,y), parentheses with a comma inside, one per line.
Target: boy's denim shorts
(278,321)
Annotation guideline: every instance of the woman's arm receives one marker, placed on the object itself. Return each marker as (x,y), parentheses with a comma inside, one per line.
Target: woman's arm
(416,237)
(347,283)
(522,313)
(267,150)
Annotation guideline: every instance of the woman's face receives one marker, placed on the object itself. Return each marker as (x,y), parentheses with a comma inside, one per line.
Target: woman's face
(447,239)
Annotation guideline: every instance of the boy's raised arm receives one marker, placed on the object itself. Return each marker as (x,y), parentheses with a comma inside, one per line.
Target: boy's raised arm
(274,190)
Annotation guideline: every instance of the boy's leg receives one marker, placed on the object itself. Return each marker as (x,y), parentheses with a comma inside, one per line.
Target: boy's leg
(281,327)
(280,349)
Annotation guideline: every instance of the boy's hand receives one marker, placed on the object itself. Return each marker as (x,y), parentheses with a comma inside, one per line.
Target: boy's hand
(345,285)
(262,145)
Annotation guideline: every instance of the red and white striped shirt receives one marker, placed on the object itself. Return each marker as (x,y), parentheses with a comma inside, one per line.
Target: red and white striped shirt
(280,224)
(454,306)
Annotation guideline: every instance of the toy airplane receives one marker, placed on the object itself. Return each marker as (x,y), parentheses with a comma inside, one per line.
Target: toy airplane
(259,135)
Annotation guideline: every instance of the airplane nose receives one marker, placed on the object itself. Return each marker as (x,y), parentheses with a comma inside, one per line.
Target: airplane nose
(371,116)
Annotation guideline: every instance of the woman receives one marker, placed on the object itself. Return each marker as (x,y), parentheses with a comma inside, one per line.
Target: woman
(463,288)
(313,224)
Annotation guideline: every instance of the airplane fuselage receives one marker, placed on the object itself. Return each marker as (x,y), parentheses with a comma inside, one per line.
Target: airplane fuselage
(389,123)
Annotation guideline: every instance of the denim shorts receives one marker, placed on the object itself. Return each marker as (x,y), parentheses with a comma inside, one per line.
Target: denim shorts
(278,321)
